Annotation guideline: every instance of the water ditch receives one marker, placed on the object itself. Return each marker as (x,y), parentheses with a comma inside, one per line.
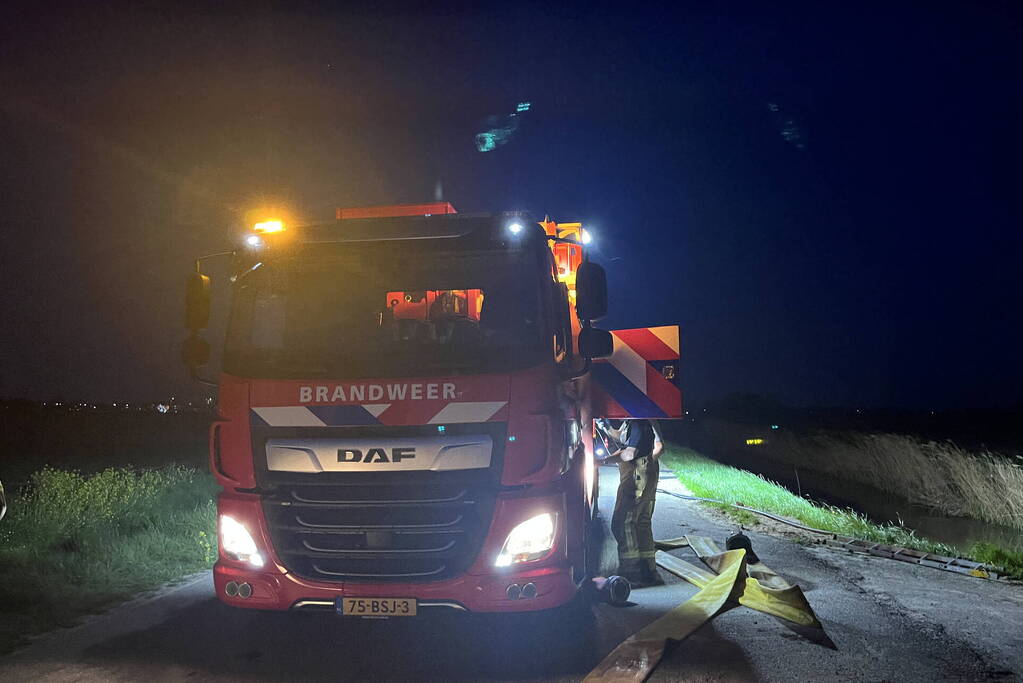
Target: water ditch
(879,506)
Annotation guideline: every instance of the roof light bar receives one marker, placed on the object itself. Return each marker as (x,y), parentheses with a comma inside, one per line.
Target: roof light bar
(269,226)
(396,211)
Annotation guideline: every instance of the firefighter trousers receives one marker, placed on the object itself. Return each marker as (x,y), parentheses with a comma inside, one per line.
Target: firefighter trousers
(634,512)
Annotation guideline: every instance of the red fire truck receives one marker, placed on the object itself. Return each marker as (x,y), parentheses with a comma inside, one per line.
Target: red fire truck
(405,406)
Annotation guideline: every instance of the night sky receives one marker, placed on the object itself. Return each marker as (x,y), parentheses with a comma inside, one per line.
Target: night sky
(825,197)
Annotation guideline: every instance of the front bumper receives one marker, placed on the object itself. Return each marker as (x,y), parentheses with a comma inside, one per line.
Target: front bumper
(280,590)
(482,588)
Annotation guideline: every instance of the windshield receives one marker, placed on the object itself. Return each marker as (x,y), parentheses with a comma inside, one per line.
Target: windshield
(380,312)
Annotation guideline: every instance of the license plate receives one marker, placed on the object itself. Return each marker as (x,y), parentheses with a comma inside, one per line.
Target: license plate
(376,607)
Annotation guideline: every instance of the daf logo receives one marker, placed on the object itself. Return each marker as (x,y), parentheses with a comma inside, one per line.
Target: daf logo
(374,455)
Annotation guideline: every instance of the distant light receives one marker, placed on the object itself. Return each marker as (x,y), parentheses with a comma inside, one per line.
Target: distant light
(269,226)
(774,426)
(515,228)
(754,442)
(587,237)
(600,451)
(511,438)
(254,241)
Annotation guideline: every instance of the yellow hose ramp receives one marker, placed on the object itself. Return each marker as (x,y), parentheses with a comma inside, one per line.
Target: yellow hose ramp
(732,582)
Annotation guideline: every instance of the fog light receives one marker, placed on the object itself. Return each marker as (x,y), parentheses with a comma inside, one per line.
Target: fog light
(529,541)
(237,542)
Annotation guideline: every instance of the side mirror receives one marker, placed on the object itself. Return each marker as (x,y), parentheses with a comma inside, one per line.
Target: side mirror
(594,343)
(197,302)
(195,351)
(591,291)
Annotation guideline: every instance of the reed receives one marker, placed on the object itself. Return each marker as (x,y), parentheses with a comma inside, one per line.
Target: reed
(941,475)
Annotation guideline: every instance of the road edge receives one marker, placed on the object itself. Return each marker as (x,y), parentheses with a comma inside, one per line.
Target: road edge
(123,618)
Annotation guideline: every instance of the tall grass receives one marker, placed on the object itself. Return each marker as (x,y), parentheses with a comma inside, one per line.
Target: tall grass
(709,479)
(72,544)
(940,475)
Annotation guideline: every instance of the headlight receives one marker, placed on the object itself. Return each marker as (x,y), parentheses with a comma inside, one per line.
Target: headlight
(529,541)
(237,542)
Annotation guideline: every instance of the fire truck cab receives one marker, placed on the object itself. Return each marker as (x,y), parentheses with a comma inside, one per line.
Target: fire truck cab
(404,412)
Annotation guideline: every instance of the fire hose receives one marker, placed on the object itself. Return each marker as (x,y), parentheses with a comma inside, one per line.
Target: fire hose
(736,577)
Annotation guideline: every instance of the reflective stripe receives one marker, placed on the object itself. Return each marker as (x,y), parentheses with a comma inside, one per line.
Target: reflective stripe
(467,411)
(288,416)
(641,377)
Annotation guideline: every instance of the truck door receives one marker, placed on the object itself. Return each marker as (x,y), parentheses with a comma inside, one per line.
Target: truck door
(641,378)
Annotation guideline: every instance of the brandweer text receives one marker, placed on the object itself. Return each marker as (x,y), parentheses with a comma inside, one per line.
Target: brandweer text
(377,392)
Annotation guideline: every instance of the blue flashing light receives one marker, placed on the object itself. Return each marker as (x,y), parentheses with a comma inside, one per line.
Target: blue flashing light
(441,428)
(511,438)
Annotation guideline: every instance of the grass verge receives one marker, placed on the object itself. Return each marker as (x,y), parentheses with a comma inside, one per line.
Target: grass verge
(709,479)
(939,475)
(73,544)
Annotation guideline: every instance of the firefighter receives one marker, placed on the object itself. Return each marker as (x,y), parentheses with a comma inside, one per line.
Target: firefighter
(638,470)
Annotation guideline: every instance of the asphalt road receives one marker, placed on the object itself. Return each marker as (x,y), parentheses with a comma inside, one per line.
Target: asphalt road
(889,621)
